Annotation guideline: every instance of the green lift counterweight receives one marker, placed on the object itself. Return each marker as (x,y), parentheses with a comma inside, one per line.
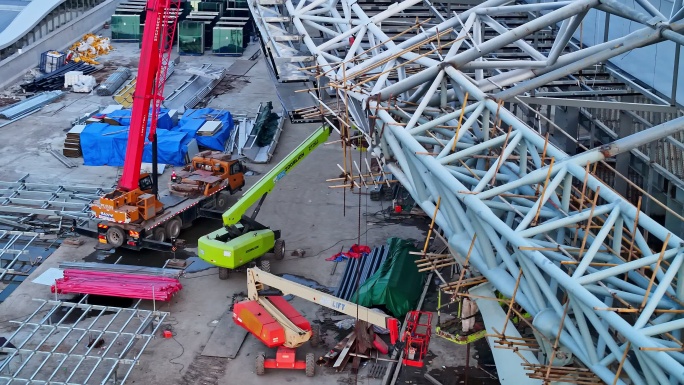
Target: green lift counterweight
(242,239)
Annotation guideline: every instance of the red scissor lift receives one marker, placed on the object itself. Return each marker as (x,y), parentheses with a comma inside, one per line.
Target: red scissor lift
(417,337)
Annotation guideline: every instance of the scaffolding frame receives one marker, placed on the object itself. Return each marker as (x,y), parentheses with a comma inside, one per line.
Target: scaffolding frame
(73,343)
(434,100)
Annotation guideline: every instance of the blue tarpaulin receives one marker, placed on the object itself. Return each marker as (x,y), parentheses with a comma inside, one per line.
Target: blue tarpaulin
(192,120)
(164,121)
(105,145)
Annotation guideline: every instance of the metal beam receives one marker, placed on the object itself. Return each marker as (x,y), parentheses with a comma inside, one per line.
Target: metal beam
(598,104)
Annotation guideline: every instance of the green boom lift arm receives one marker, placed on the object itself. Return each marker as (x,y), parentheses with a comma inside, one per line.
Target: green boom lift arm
(242,238)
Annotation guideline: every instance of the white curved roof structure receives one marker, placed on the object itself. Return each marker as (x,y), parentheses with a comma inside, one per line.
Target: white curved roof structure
(18,17)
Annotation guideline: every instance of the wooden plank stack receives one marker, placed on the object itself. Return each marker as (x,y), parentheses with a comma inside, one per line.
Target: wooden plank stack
(72,143)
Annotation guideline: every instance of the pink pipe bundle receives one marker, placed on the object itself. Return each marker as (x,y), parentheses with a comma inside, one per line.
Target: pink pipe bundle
(117,285)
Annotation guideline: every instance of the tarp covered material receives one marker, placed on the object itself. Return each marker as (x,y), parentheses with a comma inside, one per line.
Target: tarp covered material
(123,117)
(265,125)
(194,119)
(105,145)
(397,285)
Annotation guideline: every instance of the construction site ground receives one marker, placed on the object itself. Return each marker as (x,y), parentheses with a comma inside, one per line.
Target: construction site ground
(312,216)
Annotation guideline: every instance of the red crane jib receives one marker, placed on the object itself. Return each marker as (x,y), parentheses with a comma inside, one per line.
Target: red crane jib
(157,42)
(256,320)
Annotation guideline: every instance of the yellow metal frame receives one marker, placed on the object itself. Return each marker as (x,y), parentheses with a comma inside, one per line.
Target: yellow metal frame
(456,338)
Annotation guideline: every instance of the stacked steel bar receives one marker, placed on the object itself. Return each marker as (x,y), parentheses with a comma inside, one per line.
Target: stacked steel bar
(26,106)
(117,285)
(55,80)
(358,271)
(122,269)
(113,82)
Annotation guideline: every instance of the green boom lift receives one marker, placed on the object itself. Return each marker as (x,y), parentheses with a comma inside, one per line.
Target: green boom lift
(242,239)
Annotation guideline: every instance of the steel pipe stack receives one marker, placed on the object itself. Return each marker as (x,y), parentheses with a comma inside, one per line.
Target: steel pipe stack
(55,80)
(113,82)
(117,285)
(26,106)
(123,269)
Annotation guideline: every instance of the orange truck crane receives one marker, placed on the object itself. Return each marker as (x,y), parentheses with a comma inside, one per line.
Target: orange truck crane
(134,214)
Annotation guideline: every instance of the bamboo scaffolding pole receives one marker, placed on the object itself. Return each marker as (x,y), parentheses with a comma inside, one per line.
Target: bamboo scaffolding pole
(641,191)
(444,262)
(515,348)
(622,362)
(510,305)
(591,216)
(432,225)
(568,369)
(556,342)
(435,262)
(355,177)
(584,189)
(617,309)
(557,248)
(661,349)
(546,185)
(432,268)
(465,282)
(591,264)
(384,42)
(634,230)
(653,275)
(465,266)
(424,261)
(460,120)
(358,169)
(429,254)
(403,64)
(500,159)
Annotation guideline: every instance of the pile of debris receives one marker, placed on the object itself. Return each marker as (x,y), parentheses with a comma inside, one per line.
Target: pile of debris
(88,48)
(361,343)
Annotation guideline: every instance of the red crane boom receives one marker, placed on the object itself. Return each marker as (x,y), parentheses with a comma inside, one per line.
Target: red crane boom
(155,54)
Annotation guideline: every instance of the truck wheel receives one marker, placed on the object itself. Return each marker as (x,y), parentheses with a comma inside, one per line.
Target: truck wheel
(222,201)
(266,266)
(310,365)
(158,234)
(173,228)
(315,336)
(260,364)
(223,273)
(279,249)
(115,236)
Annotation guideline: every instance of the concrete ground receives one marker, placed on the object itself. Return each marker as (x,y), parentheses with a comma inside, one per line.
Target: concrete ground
(312,216)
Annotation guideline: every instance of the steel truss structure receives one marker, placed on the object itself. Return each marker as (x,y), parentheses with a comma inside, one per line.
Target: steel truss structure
(78,343)
(602,280)
(22,201)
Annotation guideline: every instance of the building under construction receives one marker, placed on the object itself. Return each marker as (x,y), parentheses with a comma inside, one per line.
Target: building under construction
(514,167)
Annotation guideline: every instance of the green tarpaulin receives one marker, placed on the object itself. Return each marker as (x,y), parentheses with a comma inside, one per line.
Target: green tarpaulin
(266,125)
(397,285)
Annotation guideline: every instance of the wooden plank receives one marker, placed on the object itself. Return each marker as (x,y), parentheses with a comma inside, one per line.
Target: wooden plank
(226,340)
(344,355)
